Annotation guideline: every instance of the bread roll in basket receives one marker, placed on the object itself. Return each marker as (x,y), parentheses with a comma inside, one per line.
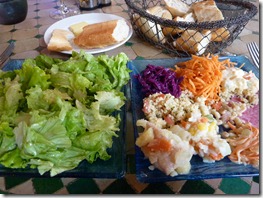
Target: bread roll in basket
(197,26)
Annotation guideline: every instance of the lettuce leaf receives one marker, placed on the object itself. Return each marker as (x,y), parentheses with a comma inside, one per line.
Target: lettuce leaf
(96,144)
(9,153)
(110,101)
(10,99)
(30,75)
(56,113)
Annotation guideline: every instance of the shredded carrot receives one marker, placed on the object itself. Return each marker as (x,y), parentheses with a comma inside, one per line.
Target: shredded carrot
(245,147)
(242,65)
(233,127)
(203,75)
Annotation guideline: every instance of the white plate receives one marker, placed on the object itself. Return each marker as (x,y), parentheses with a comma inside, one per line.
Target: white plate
(89,18)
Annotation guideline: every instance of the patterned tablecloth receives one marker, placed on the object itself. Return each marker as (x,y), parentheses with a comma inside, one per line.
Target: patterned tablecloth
(29,43)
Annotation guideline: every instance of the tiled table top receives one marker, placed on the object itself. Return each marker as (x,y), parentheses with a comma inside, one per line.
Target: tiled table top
(29,43)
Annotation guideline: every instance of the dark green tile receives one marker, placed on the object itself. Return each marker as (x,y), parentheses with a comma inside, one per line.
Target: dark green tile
(39,36)
(139,58)
(47,185)
(119,186)
(37,26)
(128,44)
(83,186)
(256,179)
(157,188)
(10,182)
(11,40)
(165,51)
(4,192)
(40,48)
(196,187)
(234,186)
(253,32)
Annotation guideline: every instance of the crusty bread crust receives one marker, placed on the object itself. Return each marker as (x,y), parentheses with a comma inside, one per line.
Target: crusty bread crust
(193,41)
(174,31)
(206,11)
(152,30)
(220,34)
(59,41)
(160,11)
(99,35)
(177,7)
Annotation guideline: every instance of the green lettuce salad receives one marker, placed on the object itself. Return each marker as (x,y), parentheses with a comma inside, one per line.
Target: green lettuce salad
(55,113)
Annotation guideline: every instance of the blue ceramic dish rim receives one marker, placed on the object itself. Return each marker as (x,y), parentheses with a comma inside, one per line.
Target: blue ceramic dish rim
(84,170)
(143,174)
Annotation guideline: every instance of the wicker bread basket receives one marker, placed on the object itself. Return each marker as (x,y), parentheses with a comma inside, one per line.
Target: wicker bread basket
(183,38)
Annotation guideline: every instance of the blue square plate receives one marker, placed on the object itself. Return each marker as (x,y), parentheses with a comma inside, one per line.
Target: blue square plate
(115,167)
(199,170)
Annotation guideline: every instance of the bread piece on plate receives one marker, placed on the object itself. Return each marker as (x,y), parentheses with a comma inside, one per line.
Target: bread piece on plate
(151,30)
(59,40)
(177,7)
(193,41)
(77,28)
(99,35)
(175,30)
(206,11)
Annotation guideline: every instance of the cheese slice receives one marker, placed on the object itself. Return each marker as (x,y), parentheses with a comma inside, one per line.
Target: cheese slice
(77,28)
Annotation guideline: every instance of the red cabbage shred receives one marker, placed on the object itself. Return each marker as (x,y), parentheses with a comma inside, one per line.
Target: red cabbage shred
(156,79)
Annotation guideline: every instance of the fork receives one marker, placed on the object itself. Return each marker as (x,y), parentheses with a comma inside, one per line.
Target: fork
(8,51)
(254,52)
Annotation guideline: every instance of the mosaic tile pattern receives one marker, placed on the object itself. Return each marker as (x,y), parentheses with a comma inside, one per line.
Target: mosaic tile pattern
(29,43)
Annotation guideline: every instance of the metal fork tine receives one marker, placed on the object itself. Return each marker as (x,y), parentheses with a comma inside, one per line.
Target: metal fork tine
(253,55)
(255,48)
(254,52)
(7,49)
(5,54)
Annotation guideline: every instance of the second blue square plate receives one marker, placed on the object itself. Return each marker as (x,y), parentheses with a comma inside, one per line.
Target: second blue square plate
(199,170)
